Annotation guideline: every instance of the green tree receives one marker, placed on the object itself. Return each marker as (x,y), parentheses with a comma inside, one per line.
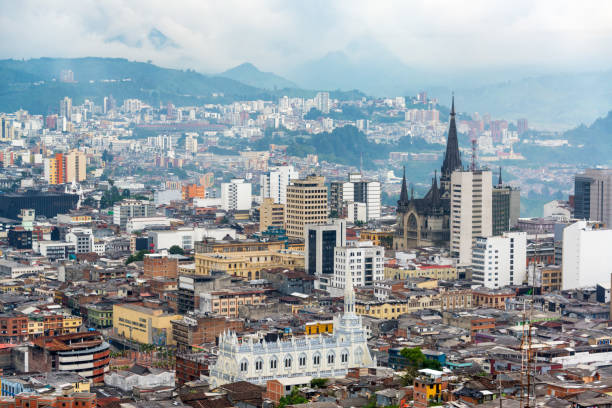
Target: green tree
(137,257)
(417,359)
(318,382)
(293,398)
(176,250)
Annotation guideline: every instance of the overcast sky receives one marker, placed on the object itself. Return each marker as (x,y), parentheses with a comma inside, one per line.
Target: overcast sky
(211,36)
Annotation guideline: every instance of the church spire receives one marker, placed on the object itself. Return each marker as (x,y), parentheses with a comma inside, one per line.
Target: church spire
(349,295)
(403,200)
(452,158)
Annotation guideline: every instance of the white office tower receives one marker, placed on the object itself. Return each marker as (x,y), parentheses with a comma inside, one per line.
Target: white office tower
(82,238)
(274,183)
(587,255)
(257,361)
(356,190)
(500,261)
(471,212)
(359,262)
(236,195)
(322,102)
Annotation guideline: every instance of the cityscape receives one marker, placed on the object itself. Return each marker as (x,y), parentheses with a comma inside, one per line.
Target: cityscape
(324,235)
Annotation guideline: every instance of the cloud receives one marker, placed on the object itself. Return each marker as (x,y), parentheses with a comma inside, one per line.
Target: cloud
(276,35)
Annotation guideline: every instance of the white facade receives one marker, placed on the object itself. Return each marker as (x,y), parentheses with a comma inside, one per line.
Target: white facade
(127,380)
(500,261)
(320,240)
(161,197)
(322,356)
(82,239)
(186,237)
(357,212)
(236,195)
(126,209)
(471,211)
(587,258)
(559,210)
(142,223)
(274,184)
(361,261)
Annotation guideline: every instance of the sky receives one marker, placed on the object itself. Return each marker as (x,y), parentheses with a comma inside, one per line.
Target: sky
(278,35)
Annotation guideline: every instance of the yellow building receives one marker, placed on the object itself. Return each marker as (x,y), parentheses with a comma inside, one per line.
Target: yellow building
(36,327)
(378,238)
(271,214)
(71,324)
(392,309)
(313,328)
(440,272)
(247,265)
(143,325)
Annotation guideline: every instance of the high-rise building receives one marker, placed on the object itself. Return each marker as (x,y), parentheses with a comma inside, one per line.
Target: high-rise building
(66,167)
(66,108)
(471,195)
(593,196)
(191,143)
(426,221)
(306,204)
(506,207)
(500,261)
(356,190)
(322,102)
(271,214)
(361,262)
(320,242)
(274,183)
(6,129)
(522,125)
(236,195)
(586,255)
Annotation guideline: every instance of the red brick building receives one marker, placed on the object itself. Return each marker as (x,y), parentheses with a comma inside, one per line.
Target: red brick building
(160,266)
(28,400)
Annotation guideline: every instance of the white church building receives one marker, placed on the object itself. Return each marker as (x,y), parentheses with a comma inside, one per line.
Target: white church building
(322,356)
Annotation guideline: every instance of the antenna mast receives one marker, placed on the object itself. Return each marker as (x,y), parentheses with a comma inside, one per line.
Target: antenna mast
(474,146)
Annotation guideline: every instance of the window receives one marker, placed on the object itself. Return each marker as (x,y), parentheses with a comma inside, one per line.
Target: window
(330,358)
(273,363)
(288,362)
(302,361)
(259,365)
(244,366)
(344,357)
(316,359)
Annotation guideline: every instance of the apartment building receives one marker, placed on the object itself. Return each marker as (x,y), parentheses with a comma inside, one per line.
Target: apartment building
(471,213)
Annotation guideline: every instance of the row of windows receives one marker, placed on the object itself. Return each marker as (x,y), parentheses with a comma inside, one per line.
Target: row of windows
(316,360)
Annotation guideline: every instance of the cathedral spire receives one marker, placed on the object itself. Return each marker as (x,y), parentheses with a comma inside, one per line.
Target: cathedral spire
(452,158)
(349,295)
(403,201)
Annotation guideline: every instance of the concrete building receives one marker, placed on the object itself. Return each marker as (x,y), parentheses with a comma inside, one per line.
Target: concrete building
(505,207)
(82,238)
(66,167)
(274,183)
(360,262)
(587,259)
(593,196)
(143,325)
(126,209)
(500,261)
(138,376)
(471,215)
(306,204)
(356,190)
(271,214)
(236,195)
(320,242)
(54,250)
(161,266)
(187,237)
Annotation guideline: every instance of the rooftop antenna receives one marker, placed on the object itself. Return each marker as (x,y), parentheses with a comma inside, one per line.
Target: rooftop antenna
(361,164)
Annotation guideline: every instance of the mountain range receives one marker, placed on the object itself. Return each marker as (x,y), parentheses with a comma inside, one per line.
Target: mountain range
(553,102)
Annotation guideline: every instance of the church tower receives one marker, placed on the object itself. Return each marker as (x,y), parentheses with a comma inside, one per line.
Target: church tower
(452,158)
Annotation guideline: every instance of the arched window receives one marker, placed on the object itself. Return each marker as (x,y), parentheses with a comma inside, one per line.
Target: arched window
(273,363)
(331,358)
(344,356)
(288,361)
(244,366)
(259,364)
(302,360)
(316,359)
